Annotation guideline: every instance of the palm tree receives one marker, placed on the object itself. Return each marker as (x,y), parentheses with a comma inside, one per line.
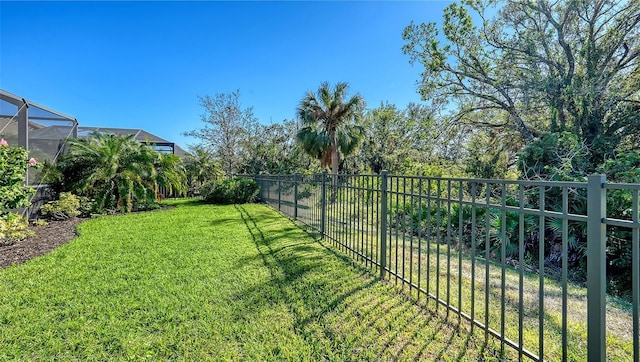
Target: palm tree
(117,171)
(201,166)
(329,129)
(170,173)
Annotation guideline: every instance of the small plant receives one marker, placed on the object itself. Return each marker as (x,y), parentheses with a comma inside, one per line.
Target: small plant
(233,191)
(13,228)
(40,222)
(66,207)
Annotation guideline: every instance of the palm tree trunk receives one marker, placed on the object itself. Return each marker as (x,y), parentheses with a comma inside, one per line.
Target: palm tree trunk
(335,164)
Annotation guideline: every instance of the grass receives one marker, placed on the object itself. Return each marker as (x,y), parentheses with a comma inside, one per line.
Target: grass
(203,282)
(431,265)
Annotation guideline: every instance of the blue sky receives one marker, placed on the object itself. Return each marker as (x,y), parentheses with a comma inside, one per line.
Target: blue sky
(143,64)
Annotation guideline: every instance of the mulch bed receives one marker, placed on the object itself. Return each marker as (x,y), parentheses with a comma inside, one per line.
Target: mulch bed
(46,238)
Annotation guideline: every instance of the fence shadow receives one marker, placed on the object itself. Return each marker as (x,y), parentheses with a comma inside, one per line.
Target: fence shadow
(341,309)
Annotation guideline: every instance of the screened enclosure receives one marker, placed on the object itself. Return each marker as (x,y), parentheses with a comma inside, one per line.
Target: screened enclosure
(43,132)
(40,130)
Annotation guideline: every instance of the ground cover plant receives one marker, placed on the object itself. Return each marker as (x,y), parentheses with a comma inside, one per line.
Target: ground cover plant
(231,283)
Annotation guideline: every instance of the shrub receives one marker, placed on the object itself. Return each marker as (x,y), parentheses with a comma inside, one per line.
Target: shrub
(13,228)
(40,222)
(13,194)
(13,167)
(66,207)
(231,191)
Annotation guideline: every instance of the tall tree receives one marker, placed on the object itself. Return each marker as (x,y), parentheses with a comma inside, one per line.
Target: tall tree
(273,149)
(537,66)
(330,126)
(225,126)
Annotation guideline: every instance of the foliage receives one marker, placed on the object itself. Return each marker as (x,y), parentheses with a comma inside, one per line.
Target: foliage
(13,228)
(395,139)
(13,167)
(169,173)
(40,222)
(67,206)
(271,149)
(488,157)
(200,166)
(225,127)
(624,167)
(554,157)
(330,124)
(230,191)
(116,172)
(529,67)
(13,193)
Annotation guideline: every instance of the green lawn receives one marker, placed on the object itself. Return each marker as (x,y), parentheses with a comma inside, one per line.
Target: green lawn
(203,282)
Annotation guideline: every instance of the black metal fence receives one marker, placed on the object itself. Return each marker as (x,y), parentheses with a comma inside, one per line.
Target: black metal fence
(500,254)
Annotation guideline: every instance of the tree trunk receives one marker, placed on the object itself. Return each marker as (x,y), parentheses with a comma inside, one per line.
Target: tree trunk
(335,163)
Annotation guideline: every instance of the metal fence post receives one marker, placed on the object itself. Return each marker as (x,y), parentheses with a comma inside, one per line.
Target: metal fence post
(295,196)
(596,268)
(279,192)
(383,224)
(323,203)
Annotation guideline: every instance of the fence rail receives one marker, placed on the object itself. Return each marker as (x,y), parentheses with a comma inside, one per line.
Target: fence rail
(500,254)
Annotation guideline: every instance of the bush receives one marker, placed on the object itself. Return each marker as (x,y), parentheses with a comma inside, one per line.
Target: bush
(66,207)
(13,228)
(13,194)
(232,191)
(13,167)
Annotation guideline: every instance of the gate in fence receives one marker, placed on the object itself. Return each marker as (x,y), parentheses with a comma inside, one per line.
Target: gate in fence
(507,256)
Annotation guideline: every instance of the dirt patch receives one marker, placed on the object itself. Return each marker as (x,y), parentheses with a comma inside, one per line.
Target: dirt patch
(46,238)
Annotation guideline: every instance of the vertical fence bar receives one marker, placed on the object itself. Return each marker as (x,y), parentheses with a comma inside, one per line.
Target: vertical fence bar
(438,240)
(565,268)
(368,199)
(503,262)
(279,178)
(420,210)
(411,231)
(404,227)
(520,272)
(375,213)
(359,217)
(396,216)
(487,257)
(460,248)
(541,273)
(473,254)
(449,245)
(383,224)
(635,277)
(596,268)
(323,204)
(295,196)
(428,240)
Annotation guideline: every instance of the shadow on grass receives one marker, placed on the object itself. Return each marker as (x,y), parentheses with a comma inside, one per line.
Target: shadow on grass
(340,309)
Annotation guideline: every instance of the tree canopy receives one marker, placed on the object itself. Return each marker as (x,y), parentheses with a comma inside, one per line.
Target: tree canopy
(330,123)
(530,67)
(226,125)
